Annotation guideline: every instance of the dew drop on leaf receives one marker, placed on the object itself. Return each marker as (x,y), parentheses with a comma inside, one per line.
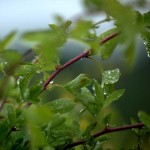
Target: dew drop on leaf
(82,110)
(111,76)
(148,53)
(51,82)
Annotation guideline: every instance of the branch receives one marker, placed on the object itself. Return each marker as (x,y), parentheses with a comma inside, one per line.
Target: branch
(105,131)
(59,69)
(85,54)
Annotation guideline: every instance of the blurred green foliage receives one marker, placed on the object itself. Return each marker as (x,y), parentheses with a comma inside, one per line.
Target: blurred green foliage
(28,121)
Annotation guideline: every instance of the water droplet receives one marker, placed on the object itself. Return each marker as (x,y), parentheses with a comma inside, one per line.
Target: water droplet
(81,59)
(148,53)
(82,110)
(109,72)
(38,71)
(51,82)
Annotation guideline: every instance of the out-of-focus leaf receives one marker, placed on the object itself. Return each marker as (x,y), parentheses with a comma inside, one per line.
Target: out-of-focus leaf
(36,36)
(76,129)
(130,54)
(42,114)
(106,49)
(113,97)
(111,76)
(61,105)
(98,146)
(6,41)
(9,85)
(145,118)
(37,136)
(3,63)
(99,94)
(81,29)
(4,130)
(57,121)
(81,81)
(147,19)
(88,100)
(107,119)
(10,56)
(87,132)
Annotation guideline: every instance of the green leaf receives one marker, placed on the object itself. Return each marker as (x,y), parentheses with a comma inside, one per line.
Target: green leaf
(146,40)
(147,19)
(57,121)
(89,129)
(113,97)
(3,63)
(130,54)
(107,119)
(37,136)
(36,36)
(7,40)
(76,129)
(61,105)
(111,76)
(99,94)
(81,81)
(106,49)
(34,92)
(42,115)
(26,70)
(4,130)
(23,83)
(11,57)
(81,29)
(88,100)
(146,33)
(145,118)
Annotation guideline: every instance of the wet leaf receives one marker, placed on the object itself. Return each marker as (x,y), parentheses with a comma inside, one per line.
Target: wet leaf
(25,70)
(88,101)
(113,97)
(81,81)
(99,94)
(61,105)
(111,76)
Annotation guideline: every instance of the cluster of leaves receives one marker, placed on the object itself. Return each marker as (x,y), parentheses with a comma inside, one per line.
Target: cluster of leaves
(26,121)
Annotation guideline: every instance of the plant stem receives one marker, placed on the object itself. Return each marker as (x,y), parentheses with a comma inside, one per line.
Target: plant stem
(105,131)
(85,54)
(102,21)
(109,37)
(59,69)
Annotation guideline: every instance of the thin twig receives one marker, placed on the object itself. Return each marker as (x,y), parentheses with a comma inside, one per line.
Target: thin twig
(109,37)
(75,59)
(59,69)
(105,131)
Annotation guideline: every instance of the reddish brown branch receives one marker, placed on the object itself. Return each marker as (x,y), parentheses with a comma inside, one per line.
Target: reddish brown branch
(109,37)
(59,69)
(105,131)
(75,59)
